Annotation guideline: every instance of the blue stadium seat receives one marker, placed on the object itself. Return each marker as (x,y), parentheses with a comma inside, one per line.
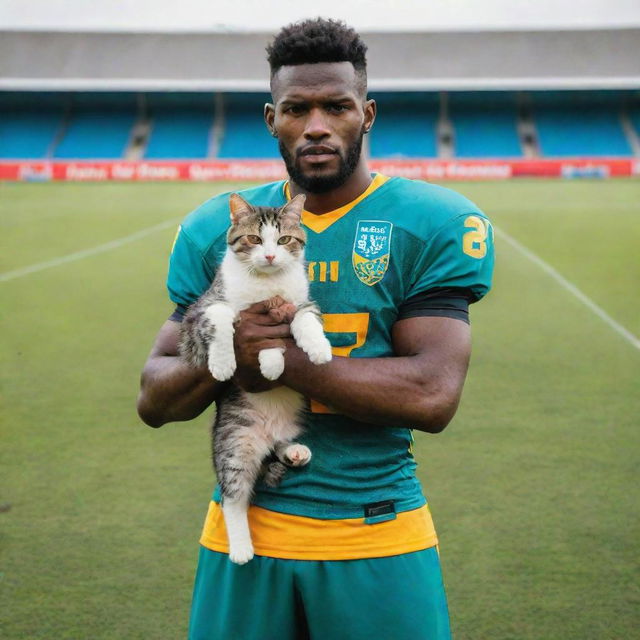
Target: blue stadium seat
(97,132)
(245,134)
(584,130)
(486,132)
(405,127)
(27,133)
(634,116)
(180,132)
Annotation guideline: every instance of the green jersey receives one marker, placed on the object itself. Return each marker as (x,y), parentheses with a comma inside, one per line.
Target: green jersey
(399,239)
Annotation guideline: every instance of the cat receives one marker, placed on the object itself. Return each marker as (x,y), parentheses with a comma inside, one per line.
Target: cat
(264,258)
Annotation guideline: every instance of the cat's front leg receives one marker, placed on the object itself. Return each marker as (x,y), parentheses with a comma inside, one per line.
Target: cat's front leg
(222,357)
(271,363)
(306,328)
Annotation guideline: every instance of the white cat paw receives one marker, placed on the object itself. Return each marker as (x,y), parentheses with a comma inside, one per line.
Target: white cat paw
(222,368)
(222,359)
(297,455)
(318,350)
(271,363)
(241,553)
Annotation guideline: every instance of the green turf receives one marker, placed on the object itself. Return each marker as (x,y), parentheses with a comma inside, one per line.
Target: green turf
(532,485)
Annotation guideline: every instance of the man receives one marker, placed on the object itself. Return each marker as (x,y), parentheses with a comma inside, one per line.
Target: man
(345,547)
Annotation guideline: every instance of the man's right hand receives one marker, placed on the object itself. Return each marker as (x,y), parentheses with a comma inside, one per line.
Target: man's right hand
(264,325)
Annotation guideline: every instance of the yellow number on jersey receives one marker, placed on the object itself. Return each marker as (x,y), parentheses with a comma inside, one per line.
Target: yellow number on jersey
(474,243)
(357,323)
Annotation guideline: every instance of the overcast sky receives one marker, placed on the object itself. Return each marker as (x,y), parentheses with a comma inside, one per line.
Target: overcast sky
(269,15)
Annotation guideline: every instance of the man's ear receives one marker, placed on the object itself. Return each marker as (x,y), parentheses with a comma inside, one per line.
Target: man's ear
(269,118)
(370,110)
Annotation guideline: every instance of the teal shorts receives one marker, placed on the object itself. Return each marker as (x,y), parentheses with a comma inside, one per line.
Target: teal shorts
(395,598)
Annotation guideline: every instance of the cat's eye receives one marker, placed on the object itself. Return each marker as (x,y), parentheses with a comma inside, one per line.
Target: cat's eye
(284,240)
(254,239)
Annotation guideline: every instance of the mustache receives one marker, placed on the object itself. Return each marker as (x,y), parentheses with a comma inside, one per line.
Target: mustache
(309,149)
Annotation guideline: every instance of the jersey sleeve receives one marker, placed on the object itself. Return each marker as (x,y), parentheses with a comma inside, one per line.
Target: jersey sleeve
(189,275)
(459,255)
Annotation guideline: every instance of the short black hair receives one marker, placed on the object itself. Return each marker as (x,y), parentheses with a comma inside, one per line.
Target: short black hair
(318,40)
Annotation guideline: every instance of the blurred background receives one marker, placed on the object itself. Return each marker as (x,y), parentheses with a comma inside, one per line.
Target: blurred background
(470,80)
(117,118)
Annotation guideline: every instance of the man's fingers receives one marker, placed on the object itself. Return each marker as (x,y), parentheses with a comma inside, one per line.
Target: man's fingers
(264,306)
(255,327)
(283,313)
(260,319)
(262,329)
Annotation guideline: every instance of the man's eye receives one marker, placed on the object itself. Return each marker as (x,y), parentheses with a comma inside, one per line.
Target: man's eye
(337,108)
(294,109)
(254,239)
(284,240)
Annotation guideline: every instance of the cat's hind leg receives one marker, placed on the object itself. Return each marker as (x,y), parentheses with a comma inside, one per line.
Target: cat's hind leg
(239,449)
(293,454)
(289,454)
(237,523)
(273,472)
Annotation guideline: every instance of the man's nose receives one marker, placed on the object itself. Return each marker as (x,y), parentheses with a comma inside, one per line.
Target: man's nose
(317,126)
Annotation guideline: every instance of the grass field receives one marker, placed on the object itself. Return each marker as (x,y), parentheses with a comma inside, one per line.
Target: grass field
(533,486)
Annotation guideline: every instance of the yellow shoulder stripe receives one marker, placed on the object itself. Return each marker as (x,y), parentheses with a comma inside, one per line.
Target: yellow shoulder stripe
(319,223)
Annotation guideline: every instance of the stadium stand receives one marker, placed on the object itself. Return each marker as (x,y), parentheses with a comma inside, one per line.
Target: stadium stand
(96,126)
(181,125)
(244,134)
(485,125)
(29,124)
(27,133)
(405,126)
(634,117)
(580,123)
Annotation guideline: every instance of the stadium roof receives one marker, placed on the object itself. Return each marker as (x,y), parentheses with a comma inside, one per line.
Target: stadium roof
(207,45)
(258,16)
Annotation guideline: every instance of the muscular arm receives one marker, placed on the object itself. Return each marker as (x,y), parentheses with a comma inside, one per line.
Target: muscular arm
(419,388)
(170,390)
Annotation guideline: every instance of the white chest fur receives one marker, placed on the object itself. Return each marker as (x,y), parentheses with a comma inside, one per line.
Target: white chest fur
(243,288)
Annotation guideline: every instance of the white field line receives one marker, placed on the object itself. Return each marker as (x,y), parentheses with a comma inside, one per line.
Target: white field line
(590,304)
(86,253)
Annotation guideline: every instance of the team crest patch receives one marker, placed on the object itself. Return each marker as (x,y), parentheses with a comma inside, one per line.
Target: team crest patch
(371,250)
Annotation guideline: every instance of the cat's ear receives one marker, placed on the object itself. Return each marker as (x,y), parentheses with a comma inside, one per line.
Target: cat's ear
(293,209)
(239,208)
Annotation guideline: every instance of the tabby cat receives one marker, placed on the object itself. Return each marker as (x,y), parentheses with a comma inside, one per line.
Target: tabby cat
(264,258)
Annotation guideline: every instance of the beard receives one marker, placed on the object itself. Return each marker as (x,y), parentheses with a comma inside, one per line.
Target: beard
(323,184)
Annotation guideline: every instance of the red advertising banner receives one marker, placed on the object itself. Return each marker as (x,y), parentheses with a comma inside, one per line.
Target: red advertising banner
(269,170)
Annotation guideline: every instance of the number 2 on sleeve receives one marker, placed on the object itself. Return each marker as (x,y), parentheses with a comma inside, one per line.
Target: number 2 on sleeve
(474,242)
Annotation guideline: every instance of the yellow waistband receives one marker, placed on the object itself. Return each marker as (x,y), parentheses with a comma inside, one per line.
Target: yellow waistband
(280,535)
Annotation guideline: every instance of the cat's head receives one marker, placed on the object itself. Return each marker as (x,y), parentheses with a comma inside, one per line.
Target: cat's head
(266,239)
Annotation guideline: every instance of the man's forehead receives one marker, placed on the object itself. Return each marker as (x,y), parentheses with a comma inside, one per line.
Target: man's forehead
(330,78)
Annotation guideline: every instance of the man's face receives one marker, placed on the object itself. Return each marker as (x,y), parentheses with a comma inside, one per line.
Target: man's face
(319,116)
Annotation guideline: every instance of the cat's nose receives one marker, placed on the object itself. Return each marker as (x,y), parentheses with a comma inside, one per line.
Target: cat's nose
(270,259)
